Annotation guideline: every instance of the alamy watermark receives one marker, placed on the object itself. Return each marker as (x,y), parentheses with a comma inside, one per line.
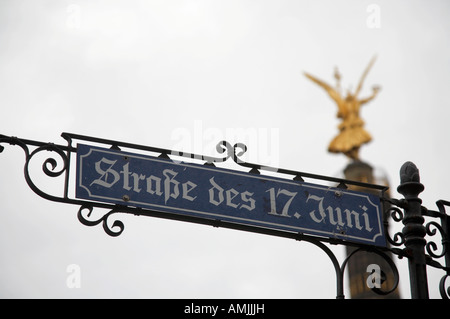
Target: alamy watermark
(73,18)
(374,278)
(263,143)
(73,280)
(373,20)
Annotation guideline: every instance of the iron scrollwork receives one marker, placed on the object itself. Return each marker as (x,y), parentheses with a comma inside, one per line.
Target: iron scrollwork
(398,238)
(416,230)
(52,167)
(49,166)
(114,230)
(443,228)
(58,165)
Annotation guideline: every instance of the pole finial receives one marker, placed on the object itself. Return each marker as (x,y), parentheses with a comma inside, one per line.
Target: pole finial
(409,173)
(410,185)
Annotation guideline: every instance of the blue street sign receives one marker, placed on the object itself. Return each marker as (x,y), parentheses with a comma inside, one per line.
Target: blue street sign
(167,186)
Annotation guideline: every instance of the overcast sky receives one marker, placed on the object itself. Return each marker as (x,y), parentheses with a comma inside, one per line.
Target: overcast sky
(185,75)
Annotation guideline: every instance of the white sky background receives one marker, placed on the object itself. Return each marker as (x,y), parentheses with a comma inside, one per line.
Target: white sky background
(186,74)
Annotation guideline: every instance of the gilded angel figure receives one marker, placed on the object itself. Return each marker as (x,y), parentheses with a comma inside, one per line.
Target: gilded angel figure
(351,130)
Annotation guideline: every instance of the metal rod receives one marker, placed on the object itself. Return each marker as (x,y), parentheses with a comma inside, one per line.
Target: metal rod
(414,230)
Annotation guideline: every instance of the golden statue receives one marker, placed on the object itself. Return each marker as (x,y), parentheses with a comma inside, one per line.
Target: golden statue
(352,134)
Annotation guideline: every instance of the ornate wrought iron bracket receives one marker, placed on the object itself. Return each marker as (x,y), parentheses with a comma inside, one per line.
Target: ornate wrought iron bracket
(419,252)
(59,165)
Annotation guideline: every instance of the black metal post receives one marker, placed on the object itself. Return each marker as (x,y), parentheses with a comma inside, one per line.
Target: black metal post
(414,230)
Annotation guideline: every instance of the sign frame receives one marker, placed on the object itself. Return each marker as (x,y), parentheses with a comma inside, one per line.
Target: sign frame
(318,198)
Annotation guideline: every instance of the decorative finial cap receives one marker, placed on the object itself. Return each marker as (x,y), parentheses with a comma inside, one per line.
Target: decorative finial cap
(410,185)
(409,173)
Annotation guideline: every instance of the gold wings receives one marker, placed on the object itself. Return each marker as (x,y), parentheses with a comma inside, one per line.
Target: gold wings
(332,92)
(364,75)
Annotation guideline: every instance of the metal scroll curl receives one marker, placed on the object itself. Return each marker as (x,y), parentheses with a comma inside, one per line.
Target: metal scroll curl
(114,230)
(397,215)
(239,149)
(445,292)
(221,147)
(431,246)
(432,228)
(444,230)
(50,166)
